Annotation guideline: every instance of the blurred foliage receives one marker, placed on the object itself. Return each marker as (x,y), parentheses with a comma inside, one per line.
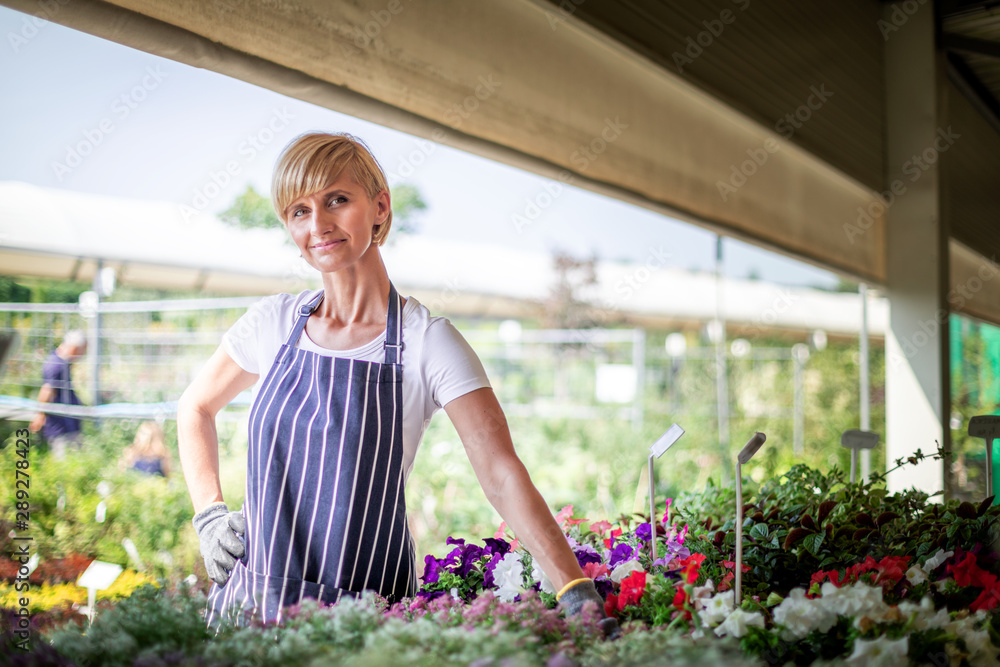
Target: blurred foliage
(155,513)
(407,204)
(251,210)
(975,390)
(47,597)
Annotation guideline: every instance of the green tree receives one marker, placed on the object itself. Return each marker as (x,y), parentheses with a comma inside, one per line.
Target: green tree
(251,210)
(407,202)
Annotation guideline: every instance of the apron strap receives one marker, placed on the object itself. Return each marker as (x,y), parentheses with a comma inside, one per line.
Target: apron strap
(393,328)
(305,310)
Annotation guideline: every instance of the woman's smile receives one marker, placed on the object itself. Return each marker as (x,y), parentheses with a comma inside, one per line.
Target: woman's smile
(328,245)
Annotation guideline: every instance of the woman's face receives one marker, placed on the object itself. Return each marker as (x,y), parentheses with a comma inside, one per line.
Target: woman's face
(333,227)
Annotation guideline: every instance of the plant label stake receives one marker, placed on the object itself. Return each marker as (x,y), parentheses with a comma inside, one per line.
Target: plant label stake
(98,576)
(988,428)
(744,456)
(855,441)
(657,449)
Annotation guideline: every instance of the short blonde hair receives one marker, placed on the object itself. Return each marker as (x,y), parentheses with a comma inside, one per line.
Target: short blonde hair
(314,160)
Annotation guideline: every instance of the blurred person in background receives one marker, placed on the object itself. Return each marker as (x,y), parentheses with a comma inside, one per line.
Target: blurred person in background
(148,452)
(61,432)
(346,379)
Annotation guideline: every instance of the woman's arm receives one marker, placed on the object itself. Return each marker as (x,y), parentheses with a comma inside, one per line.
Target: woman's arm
(197,440)
(482,426)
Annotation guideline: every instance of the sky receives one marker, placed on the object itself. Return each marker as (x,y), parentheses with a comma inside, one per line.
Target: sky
(85,114)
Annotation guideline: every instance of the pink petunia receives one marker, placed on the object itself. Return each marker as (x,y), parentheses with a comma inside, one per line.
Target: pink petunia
(600,527)
(595,570)
(501,534)
(666,514)
(563,514)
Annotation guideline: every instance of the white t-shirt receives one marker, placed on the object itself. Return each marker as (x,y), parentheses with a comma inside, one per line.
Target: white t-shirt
(439,365)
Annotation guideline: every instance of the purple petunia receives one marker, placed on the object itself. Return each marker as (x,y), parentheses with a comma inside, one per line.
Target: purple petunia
(496,546)
(644,532)
(621,553)
(468,560)
(586,555)
(432,569)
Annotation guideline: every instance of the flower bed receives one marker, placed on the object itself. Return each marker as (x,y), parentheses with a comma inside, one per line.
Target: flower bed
(832,571)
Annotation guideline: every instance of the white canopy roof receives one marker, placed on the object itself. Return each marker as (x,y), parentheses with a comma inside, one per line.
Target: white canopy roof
(62,234)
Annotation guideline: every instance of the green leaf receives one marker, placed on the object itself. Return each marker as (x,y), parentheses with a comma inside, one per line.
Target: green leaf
(813,542)
(759,532)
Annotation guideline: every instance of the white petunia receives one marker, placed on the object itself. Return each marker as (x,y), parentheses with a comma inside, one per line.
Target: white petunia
(624,569)
(717,608)
(923,615)
(916,576)
(934,562)
(855,600)
(508,576)
(881,651)
(539,576)
(738,621)
(701,594)
(799,615)
(980,648)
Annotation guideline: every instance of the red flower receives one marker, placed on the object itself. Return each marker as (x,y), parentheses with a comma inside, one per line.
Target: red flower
(724,584)
(968,573)
(690,567)
(610,605)
(633,587)
(832,575)
(611,541)
(892,568)
(680,598)
(988,599)
(856,571)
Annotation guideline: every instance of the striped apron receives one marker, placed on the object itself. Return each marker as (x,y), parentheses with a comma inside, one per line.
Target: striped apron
(325,509)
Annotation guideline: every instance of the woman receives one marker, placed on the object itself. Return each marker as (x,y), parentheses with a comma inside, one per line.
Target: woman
(148,452)
(345,381)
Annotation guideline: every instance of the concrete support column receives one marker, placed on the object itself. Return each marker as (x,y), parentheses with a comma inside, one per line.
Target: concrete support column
(917,386)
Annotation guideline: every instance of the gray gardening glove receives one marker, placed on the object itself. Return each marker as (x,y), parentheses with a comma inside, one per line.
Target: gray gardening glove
(572,602)
(217,530)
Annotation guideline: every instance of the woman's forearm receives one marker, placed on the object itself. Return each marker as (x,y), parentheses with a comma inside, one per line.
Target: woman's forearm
(198,449)
(525,511)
